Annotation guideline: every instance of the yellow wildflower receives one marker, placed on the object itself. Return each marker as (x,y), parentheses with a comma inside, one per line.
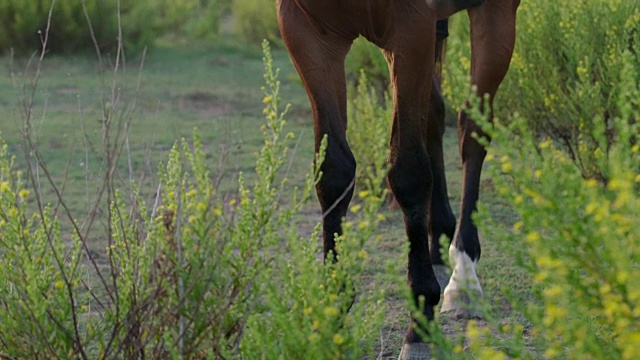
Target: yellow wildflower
(331,311)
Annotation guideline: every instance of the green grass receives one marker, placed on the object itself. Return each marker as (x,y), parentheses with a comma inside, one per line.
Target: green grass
(216,89)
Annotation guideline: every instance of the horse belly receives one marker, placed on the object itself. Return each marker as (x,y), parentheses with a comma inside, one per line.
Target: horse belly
(350,18)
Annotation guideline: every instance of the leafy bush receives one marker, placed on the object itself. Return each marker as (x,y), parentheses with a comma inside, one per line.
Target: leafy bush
(24,23)
(255,20)
(368,131)
(191,276)
(574,96)
(366,57)
(457,65)
(565,72)
(192,19)
(577,238)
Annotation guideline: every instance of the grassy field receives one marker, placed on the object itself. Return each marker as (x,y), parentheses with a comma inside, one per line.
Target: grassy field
(176,89)
(217,90)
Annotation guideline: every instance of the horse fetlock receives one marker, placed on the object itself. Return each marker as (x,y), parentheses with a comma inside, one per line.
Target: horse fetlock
(415,351)
(462,294)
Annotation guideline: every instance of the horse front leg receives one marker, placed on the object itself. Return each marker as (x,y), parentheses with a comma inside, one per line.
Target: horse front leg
(319,59)
(492,43)
(410,176)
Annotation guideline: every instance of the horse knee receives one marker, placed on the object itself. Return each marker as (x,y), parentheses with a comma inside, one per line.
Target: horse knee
(410,180)
(468,134)
(335,187)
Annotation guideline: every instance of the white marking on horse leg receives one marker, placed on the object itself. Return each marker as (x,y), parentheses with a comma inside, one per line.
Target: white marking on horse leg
(442,275)
(415,351)
(464,287)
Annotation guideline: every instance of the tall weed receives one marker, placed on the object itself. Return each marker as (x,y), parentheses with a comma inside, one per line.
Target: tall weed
(368,131)
(192,275)
(566,72)
(575,237)
(255,20)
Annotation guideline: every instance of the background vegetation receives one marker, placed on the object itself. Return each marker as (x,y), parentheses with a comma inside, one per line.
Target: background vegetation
(215,253)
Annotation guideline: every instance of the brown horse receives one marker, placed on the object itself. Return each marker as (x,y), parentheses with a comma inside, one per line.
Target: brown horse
(318,35)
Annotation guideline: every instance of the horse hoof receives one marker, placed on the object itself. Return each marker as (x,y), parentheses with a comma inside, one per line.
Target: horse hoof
(443,274)
(415,351)
(459,305)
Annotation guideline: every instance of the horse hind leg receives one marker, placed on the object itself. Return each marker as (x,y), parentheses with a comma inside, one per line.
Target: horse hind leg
(492,43)
(319,59)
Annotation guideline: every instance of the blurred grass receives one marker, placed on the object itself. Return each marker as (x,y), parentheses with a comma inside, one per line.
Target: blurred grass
(214,88)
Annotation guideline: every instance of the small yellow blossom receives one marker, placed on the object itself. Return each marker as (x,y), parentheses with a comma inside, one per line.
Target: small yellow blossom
(331,311)
(537,174)
(533,236)
(23,193)
(338,339)
(517,226)
(591,183)
(59,284)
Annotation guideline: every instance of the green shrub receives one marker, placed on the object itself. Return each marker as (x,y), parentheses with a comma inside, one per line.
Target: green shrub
(367,57)
(565,72)
(369,130)
(24,23)
(193,275)
(191,19)
(255,20)
(569,90)
(455,82)
(577,239)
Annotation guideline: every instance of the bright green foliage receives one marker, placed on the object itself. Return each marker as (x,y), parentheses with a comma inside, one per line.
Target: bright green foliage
(455,83)
(190,18)
(37,274)
(570,90)
(195,275)
(306,303)
(576,237)
(23,23)
(255,20)
(565,73)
